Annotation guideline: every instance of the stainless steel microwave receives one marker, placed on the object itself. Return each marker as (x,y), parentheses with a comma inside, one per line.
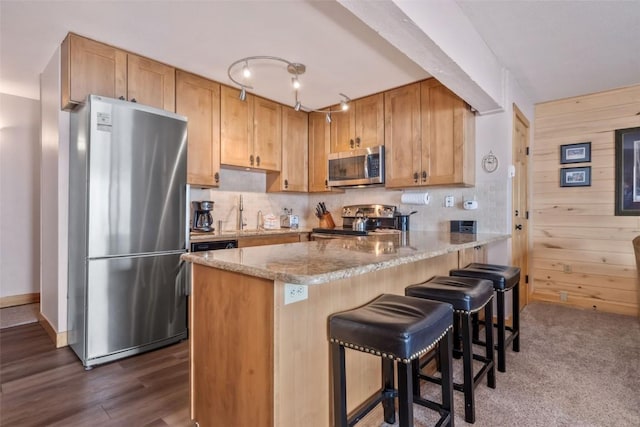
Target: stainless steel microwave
(363,166)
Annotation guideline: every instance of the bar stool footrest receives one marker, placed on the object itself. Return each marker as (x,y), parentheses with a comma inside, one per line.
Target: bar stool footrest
(367,406)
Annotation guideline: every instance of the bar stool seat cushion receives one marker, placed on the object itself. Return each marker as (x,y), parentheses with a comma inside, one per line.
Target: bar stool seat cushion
(393,326)
(463,293)
(503,277)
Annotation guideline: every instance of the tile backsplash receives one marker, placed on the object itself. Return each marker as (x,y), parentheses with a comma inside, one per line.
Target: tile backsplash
(491,196)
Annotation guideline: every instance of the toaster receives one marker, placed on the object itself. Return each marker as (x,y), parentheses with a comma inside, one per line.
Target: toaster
(289,221)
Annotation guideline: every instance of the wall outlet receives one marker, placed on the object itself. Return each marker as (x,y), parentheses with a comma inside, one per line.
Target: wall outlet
(449,201)
(564,296)
(294,293)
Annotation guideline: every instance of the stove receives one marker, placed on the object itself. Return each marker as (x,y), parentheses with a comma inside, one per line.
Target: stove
(378,217)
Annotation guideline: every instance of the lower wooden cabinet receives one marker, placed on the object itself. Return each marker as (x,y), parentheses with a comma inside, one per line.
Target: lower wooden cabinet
(469,255)
(198,99)
(262,240)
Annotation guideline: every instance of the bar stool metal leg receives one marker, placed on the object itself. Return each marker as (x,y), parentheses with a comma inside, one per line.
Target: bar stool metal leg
(339,386)
(446,371)
(467,364)
(387,384)
(502,366)
(405,394)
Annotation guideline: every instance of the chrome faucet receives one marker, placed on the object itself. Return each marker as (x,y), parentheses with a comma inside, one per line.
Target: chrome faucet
(241,222)
(260,223)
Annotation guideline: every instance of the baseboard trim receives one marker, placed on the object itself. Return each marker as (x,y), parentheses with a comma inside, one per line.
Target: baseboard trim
(14,300)
(58,338)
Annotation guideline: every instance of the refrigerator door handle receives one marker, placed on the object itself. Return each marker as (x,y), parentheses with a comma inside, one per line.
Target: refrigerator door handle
(182,280)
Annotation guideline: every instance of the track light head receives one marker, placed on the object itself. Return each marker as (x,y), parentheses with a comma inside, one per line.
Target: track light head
(295,82)
(246,72)
(243,94)
(298,106)
(328,117)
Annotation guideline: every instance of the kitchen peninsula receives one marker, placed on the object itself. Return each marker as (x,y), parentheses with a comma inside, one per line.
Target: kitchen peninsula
(258,359)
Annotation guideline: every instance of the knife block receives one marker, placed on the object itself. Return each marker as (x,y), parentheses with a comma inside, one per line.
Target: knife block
(326,221)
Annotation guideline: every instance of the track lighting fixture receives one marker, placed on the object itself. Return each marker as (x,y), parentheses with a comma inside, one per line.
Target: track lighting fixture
(294,68)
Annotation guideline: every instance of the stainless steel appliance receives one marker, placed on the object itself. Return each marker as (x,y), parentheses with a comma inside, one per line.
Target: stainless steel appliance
(201,219)
(127,229)
(363,166)
(366,219)
(213,245)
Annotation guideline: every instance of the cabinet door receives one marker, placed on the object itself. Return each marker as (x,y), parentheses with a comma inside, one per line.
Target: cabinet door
(295,158)
(199,100)
(236,128)
(468,255)
(267,134)
(151,83)
(448,144)
(369,121)
(342,129)
(402,137)
(319,147)
(89,67)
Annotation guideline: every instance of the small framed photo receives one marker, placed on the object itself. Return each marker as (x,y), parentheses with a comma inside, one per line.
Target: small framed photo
(575,177)
(575,153)
(627,171)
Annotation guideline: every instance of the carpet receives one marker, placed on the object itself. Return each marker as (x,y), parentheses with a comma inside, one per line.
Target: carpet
(19,315)
(575,368)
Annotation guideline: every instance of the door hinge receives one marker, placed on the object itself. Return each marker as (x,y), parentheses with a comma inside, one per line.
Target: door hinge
(526,215)
(526,278)
(527,151)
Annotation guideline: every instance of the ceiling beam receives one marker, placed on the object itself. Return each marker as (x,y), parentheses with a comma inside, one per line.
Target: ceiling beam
(439,37)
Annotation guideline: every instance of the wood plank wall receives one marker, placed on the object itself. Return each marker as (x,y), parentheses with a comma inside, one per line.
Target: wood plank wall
(579,246)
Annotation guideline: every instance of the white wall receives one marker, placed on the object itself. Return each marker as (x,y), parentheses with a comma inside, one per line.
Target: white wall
(54,198)
(19,196)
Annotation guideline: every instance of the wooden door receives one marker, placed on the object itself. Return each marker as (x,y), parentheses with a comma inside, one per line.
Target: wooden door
(199,100)
(236,128)
(402,137)
(267,134)
(151,83)
(520,236)
(319,147)
(295,149)
(89,67)
(369,121)
(342,129)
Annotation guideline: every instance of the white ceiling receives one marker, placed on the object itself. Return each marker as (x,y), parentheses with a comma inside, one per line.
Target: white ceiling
(553,49)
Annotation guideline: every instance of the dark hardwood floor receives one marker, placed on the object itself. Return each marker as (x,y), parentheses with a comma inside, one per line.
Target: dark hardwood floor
(44,386)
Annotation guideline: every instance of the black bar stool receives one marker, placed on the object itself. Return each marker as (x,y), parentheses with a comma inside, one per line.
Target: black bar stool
(467,296)
(504,278)
(397,329)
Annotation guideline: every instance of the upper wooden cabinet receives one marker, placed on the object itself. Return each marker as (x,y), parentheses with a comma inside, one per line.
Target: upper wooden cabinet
(90,67)
(199,100)
(402,141)
(361,126)
(150,83)
(429,137)
(250,131)
(319,147)
(448,134)
(295,158)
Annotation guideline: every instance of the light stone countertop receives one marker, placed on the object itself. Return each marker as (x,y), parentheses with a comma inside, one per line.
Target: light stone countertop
(234,234)
(321,261)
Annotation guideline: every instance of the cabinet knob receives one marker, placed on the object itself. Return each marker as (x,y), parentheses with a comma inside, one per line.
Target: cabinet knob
(519,227)
(424,176)
(216,176)
(251,160)
(133,100)
(352,144)
(257,160)
(326,184)
(121,98)
(358,142)
(415,177)
(286,184)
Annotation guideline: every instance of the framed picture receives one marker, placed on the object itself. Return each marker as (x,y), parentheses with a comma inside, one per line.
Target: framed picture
(575,177)
(575,153)
(628,171)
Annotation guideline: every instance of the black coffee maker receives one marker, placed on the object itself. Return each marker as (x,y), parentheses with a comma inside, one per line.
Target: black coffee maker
(201,219)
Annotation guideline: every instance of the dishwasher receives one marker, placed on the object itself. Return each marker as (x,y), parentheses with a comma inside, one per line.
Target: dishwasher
(213,245)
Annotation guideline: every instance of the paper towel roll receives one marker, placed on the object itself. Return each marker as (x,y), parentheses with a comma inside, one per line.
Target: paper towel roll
(414,198)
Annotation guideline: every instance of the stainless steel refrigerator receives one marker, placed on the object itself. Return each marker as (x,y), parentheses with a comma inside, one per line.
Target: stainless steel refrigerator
(127,229)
